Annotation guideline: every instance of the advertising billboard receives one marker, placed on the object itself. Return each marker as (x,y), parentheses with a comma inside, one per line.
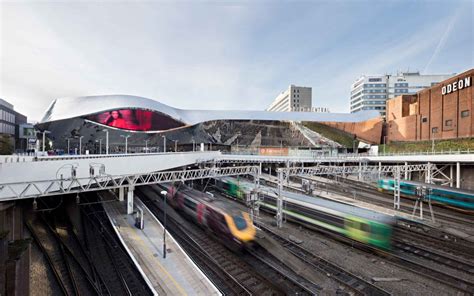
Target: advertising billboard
(135,120)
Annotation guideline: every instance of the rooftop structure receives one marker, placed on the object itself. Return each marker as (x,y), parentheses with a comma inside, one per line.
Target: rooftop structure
(370,92)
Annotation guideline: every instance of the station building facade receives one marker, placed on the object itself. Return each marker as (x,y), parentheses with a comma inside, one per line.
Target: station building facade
(88,122)
(443,111)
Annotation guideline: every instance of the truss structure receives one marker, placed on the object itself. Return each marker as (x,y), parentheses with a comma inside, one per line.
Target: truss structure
(33,189)
(362,168)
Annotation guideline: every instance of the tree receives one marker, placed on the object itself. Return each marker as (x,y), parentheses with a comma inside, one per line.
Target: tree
(6,145)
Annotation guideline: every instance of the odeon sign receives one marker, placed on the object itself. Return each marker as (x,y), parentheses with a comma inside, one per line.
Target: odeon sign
(456,85)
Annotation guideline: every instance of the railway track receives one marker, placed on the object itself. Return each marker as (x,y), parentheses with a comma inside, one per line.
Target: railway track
(71,276)
(270,278)
(124,277)
(356,284)
(406,261)
(432,255)
(371,194)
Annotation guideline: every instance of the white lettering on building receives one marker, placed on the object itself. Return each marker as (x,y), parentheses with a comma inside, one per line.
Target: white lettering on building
(455,86)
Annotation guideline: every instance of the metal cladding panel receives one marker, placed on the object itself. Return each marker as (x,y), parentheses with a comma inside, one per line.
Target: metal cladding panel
(67,108)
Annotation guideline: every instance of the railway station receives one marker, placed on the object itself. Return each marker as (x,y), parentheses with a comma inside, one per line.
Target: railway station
(208,217)
(116,185)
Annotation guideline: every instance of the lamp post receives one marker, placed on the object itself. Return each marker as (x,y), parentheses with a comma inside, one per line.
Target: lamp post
(146,146)
(432,140)
(106,140)
(68,146)
(175,145)
(164,143)
(80,145)
(100,145)
(126,142)
(164,223)
(44,138)
(384,143)
(193,143)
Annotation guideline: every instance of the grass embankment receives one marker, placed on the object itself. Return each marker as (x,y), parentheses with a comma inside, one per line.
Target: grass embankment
(341,137)
(440,145)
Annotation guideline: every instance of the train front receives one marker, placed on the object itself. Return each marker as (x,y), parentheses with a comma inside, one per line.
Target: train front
(241,227)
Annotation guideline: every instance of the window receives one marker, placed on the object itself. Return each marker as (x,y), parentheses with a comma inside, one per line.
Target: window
(424,119)
(448,122)
(375,79)
(465,113)
(434,130)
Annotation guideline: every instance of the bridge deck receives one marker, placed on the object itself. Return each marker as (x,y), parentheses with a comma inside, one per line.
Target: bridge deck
(175,275)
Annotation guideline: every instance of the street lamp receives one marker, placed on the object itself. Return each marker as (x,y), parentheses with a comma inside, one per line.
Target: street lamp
(44,137)
(164,224)
(384,143)
(80,145)
(126,142)
(193,143)
(175,145)
(146,146)
(106,140)
(164,143)
(100,145)
(68,146)
(433,131)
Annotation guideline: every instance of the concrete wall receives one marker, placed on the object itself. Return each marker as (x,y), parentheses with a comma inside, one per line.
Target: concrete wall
(368,131)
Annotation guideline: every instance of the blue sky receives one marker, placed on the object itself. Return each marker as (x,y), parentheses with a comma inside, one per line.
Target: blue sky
(222,55)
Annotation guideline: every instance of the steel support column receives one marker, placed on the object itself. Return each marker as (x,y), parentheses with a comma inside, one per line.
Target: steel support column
(279,215)
(458,175)
(130,200)
(451,183)
(121,193)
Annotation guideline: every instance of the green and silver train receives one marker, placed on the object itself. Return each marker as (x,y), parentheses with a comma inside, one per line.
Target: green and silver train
(359,224)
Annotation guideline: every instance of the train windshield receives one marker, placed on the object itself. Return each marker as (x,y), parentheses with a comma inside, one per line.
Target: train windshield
(240,222)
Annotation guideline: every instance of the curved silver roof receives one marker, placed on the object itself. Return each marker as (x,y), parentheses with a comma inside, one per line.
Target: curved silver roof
(65,108)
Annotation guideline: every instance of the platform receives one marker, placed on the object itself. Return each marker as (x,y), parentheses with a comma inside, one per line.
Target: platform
(175,275)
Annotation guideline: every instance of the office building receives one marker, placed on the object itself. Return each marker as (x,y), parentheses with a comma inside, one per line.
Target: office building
(370,92)
(293,99)
(13,125)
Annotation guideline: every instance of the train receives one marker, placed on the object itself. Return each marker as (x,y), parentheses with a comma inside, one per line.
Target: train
(442,195)
(363,225)
(230,224)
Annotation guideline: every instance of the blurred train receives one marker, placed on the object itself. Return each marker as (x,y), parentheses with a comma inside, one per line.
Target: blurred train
(451,197)
(360,224)
(230,224)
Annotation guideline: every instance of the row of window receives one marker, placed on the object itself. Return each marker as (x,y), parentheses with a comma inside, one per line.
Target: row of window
(296,91)
(296,96)
(375,79)
(7,116)
(6,128)
(375,91)
(375,96)
(373,108)
(448,122)
(374,102)
(401,84)
(375,85)
(402,91)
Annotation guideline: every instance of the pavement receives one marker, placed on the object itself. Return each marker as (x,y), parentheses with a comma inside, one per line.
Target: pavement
(175,275)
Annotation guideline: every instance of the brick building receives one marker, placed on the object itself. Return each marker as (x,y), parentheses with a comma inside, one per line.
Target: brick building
(443,111)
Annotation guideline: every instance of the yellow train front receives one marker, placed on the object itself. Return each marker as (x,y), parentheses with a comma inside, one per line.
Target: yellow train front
(229,222)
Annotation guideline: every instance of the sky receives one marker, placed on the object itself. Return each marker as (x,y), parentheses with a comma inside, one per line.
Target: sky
(222,54)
